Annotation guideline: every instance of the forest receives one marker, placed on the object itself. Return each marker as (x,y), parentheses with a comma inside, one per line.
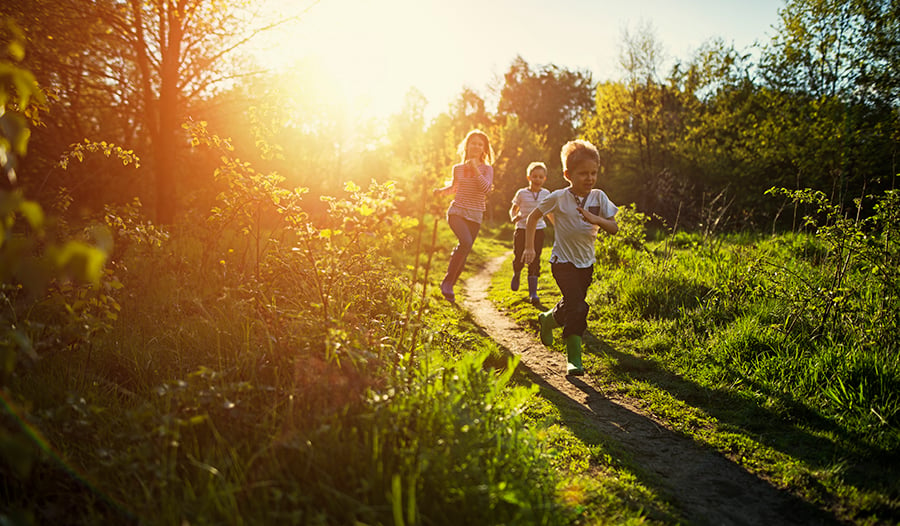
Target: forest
(219,288)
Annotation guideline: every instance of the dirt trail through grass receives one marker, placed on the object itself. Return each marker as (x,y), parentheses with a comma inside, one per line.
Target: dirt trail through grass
(705,486)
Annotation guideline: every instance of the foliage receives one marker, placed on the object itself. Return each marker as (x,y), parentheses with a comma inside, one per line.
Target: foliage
(806,321)
(858,281)
(549,100)
(631,236)
(449,446)
(850,298)
(77,151)
(817,51)
(723,125)
(21,99)
(521,147)
(54,291)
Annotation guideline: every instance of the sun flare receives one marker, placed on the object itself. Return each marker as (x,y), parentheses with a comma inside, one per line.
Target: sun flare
(366,54)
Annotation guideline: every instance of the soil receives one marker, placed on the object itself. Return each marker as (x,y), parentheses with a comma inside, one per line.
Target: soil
(705,486)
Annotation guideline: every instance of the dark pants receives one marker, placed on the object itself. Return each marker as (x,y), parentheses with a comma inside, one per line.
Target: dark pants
(534,268)
(572,310)
(466,231)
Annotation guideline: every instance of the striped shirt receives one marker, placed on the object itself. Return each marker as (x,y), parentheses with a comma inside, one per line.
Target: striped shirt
(470,189)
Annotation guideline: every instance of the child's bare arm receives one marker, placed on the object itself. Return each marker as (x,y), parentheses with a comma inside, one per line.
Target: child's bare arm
(514,213)
(530,227)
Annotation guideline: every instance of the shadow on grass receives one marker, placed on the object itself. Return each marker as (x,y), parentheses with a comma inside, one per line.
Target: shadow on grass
(706,487)
(801,435)
(867,468)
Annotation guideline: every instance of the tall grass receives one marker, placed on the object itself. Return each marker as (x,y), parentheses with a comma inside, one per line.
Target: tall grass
(260,370)
(810,318)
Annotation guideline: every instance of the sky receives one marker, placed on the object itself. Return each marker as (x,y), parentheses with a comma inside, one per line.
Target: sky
(376,50)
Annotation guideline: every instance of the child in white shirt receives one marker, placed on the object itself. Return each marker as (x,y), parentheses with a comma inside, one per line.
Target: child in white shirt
(579,212)
(525,200)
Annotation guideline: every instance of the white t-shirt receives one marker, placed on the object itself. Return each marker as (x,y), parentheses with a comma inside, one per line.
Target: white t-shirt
(526,200)
(573,236)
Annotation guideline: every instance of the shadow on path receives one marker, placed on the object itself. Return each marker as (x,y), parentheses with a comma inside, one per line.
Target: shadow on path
(704,485)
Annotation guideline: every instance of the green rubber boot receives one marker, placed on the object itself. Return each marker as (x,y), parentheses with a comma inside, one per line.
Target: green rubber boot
(573,353)
(547,323)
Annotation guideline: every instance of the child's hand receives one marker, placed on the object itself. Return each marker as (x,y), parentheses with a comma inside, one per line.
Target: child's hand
(593,219)
(527,255)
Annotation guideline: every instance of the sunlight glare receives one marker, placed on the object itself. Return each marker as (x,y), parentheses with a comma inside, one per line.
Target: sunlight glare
(368,50)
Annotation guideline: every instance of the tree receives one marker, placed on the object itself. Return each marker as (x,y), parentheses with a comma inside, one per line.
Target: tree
(635,122)
(550,100)
(825,65)
(880,21)
(817,49)
(147,61)
(77,62)
(521,146)
(406,128)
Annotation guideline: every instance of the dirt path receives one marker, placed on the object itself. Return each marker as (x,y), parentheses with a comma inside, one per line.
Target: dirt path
(705,486)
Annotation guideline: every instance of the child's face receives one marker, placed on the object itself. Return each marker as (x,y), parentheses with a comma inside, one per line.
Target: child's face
(475,147)
(583,176)
(538,177)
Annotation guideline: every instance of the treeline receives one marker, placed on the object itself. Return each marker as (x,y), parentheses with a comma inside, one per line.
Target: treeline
(697,145)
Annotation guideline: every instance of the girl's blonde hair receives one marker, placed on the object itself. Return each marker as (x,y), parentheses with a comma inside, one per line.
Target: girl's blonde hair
(488,157)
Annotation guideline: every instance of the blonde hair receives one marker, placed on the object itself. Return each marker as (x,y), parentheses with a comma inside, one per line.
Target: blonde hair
(532,166)
(488,157)
(573,152)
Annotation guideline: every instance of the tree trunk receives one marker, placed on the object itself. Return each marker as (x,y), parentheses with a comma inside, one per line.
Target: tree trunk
(164,149)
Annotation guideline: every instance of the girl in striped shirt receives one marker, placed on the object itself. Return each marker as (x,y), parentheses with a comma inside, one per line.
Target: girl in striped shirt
(472,179)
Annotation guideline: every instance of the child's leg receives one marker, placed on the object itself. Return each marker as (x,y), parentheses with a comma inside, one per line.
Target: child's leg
(571,311)
(573,356)
(518,248)
(466,232)
(534,268)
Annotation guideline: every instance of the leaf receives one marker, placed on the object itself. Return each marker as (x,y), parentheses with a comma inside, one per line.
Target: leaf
(32,213)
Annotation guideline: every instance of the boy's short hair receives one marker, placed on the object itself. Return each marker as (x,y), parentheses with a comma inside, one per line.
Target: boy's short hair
(573,152)
(532,166)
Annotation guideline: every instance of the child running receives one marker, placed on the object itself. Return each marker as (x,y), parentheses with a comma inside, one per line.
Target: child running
(525,200)
(579,212)
(472,179)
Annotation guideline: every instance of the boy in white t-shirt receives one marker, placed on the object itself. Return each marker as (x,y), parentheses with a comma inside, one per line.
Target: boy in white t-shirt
(579,212)
(525,200)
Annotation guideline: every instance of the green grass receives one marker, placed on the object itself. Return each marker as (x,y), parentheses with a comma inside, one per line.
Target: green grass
(319,389)
(259,405)
(705,338)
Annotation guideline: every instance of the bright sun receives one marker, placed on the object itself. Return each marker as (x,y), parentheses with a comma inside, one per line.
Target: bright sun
(370,53)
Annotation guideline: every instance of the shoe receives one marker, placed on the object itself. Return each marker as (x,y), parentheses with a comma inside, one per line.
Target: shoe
(534,300)
(547,323)
(574,366)
(532,289)
(574,370)
(448,293)
(514,284)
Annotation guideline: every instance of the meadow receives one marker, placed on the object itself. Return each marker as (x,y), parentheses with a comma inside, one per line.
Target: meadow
(327,384)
